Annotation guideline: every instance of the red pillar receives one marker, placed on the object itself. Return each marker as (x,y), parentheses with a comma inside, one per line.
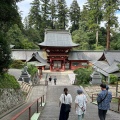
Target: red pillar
(40,72)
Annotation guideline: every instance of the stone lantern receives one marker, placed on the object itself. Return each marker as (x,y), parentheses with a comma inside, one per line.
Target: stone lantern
(96,77)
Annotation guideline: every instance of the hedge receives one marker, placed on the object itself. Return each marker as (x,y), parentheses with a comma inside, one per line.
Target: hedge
(8,81)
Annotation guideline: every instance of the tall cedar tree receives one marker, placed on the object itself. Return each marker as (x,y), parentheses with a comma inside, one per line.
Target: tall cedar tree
(9,16)
(62,14)
(94,16)
(35,20)
(74,15)
(5,53)
(34,15)
(109,9)
(45,13)
(52,14)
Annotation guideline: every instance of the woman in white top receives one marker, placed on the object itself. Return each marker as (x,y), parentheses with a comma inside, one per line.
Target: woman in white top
(80,104)
(65,99)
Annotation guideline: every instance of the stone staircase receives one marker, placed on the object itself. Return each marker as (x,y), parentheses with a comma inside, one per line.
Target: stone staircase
(25,87)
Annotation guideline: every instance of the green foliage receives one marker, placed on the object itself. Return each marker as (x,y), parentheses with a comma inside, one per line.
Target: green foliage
(15,36)
(74,12)
(83,75)
(18,64)
(33,35)
(110,7)
(52,14)
(81,37)
(9,14)
(62,14)
(32,69)
(34,18)
(113,79)
(5,57)
(99,47)
(8,81)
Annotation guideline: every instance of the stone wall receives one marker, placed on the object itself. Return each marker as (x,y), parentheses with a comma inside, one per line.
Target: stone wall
(9,98)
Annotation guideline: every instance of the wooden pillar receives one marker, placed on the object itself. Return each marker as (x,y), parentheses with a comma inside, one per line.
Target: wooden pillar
(43,67)
(64,65)
(70,65)
(50,65)
(40,72)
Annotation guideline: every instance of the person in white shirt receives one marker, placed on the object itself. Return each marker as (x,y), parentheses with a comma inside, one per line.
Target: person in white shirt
(80,104)
(65,100)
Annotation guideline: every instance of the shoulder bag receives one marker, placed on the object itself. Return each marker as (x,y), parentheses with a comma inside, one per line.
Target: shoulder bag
(103,98)
(67,106)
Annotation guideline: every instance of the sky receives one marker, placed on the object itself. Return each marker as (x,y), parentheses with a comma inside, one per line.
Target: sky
(24,7)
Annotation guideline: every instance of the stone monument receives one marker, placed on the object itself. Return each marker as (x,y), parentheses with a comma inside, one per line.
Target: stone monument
(96,77)
(25,75)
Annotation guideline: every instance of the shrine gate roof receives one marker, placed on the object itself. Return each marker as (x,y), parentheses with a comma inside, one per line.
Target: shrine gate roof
(58,38)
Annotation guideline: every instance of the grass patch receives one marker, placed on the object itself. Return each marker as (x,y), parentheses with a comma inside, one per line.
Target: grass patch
(114,100)
(8,81)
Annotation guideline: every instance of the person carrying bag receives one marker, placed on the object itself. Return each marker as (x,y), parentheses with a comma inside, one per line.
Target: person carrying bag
(65,105)
(103,99)
(80,104)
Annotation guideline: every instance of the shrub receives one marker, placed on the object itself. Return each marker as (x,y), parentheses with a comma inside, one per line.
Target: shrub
(83,75)
(113,79)
(8,81)
(18,64)
(32,69)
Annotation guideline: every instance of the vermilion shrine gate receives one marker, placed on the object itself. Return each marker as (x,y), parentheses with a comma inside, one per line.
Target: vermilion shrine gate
(57,45)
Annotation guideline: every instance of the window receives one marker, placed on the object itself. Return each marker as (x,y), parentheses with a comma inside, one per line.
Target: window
(75,63)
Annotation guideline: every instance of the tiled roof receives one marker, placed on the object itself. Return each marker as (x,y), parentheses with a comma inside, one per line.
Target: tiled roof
(25,55)
(112,56)
(105,68)
(58,38)
(36,63)
(37,57)
(85,55)
(77,56)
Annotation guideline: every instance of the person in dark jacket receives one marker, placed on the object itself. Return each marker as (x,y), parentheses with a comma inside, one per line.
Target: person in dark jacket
(104,98)
(50,78)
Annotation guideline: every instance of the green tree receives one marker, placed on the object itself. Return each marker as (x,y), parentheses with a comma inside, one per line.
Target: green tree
(33,35)
(94,16)
(62,16)
(35,15)
(109,9)
(74,12)
(45,13)
(52,14)
(15,36)
(5,53)
(81,37)
(83,75)
(9,14)
(115,40)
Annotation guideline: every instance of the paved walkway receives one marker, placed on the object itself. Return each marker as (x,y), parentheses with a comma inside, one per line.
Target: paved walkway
(51,110)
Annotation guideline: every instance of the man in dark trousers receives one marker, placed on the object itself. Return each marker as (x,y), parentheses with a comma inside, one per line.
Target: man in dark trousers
(55,79)
(104,98)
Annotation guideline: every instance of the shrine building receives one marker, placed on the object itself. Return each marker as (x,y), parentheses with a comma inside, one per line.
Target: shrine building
(58,46)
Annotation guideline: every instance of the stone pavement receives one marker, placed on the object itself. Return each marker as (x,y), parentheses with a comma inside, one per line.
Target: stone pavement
(51,110)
